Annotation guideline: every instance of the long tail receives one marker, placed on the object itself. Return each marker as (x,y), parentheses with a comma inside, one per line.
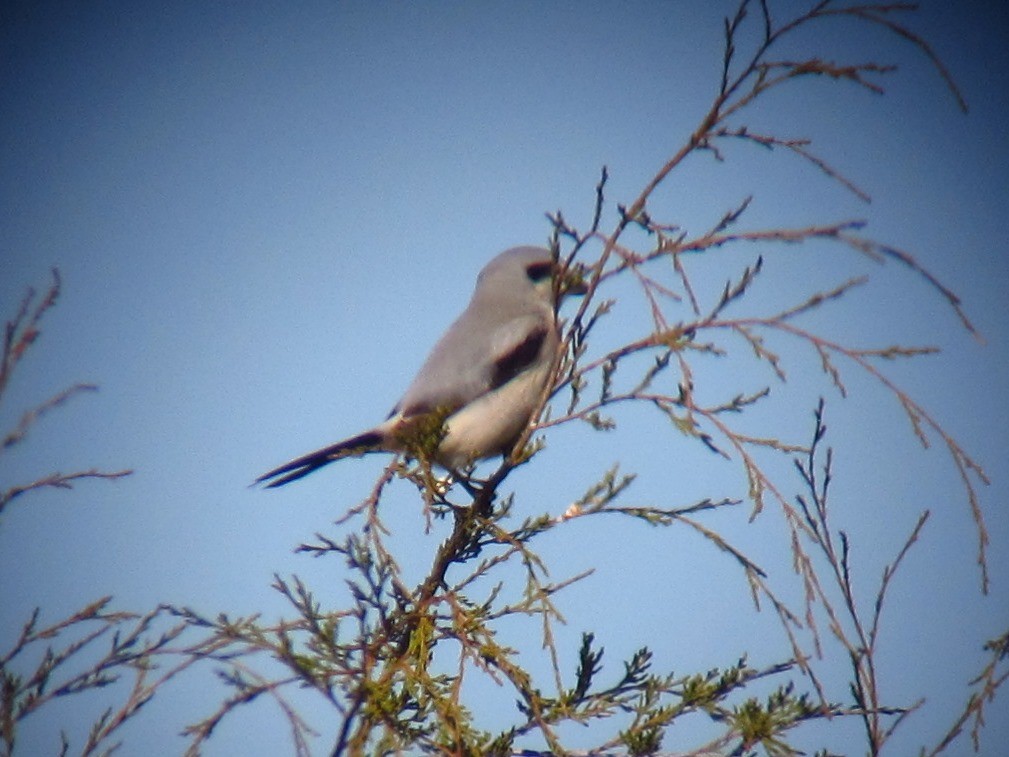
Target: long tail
(369,441)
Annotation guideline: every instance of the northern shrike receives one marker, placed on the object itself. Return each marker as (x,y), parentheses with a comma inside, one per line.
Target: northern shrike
(484,377)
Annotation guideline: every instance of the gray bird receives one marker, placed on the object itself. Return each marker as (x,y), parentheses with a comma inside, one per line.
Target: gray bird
(485,376)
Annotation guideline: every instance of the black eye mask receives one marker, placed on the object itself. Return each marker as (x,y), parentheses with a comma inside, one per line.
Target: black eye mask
(537,272)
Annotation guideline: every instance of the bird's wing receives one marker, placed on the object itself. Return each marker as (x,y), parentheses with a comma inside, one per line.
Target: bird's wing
(518,350)
(467,364)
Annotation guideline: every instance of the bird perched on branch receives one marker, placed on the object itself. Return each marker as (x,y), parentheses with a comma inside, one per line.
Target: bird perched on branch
(475,394)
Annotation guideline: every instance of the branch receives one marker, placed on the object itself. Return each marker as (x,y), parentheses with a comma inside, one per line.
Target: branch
(57,481)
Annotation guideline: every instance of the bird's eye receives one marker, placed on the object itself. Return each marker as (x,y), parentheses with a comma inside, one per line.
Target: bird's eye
(538,272)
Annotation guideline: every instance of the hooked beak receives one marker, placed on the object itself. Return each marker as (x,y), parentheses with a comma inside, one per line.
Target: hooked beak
(573,282)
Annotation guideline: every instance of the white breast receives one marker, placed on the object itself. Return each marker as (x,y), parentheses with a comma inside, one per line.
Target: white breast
(489,425)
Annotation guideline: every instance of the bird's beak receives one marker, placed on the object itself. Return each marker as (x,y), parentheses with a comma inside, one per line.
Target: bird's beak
(573,282)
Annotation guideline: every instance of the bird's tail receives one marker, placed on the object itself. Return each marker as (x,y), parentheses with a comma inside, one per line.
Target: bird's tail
(369,441)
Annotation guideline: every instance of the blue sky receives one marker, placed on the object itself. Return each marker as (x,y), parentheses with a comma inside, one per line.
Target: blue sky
(264,217)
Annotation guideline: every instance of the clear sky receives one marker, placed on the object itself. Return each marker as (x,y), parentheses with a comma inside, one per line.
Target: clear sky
(265,215)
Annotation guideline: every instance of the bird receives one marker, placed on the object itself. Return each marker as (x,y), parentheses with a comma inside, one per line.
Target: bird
(482,381)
